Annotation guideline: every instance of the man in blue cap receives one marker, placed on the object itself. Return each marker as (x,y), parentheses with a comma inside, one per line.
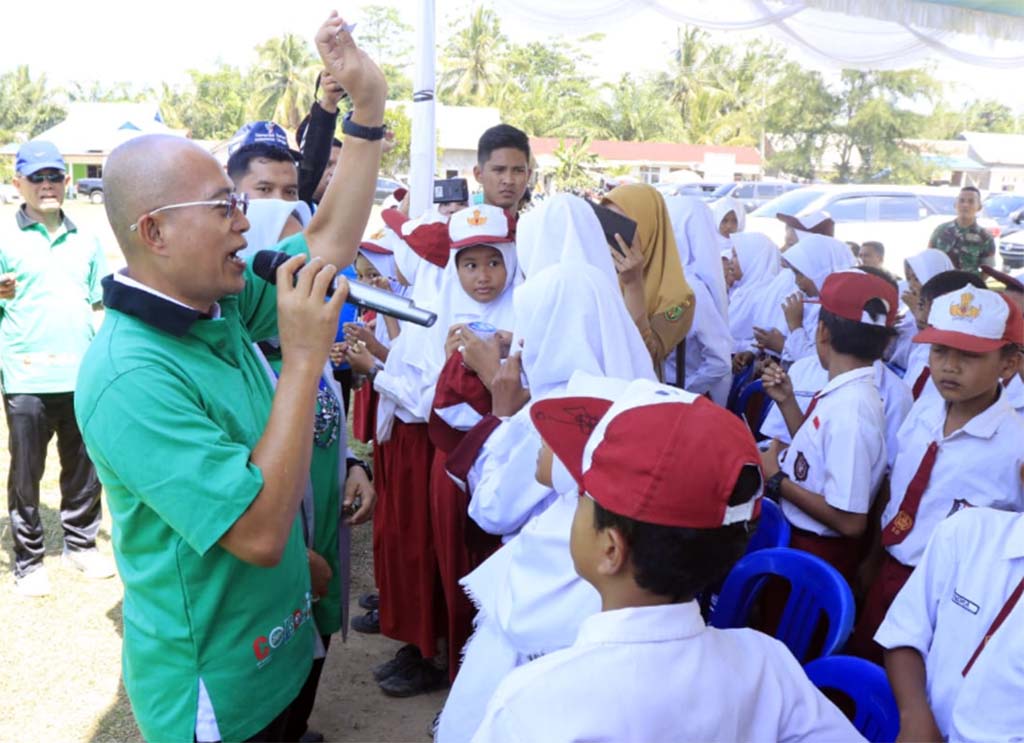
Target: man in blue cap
(49,286)
(262,164)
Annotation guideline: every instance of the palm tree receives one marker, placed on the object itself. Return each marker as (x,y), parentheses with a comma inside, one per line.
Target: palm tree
(27,106)
(575,166)
(470,61)
(637,111)
(284,79)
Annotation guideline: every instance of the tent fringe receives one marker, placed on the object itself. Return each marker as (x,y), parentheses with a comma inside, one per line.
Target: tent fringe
(992,23)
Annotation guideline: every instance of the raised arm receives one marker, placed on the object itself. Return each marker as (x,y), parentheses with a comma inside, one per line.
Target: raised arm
(337,227)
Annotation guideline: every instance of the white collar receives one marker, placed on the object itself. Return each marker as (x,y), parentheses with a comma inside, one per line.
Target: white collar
(122,277)
(854,375)
(661,623)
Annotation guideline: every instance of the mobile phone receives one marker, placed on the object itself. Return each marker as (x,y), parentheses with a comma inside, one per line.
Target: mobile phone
(451,191)
(612,223)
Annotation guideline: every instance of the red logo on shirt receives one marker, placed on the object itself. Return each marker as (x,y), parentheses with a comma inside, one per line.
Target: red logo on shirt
(264,645)
(800,467)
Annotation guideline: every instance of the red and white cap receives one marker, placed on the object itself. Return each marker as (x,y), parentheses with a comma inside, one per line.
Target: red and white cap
(658,454)
(845,293)
(376,248)
(816,223)
(973,320)
(480,225)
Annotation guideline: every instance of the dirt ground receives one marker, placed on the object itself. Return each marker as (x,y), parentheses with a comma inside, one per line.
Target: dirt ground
(60,657)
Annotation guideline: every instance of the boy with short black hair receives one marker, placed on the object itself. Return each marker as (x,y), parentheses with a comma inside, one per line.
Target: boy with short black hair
(829,476)
(503,166)
(871,254)
(264,171)
(957,449)
(656,523)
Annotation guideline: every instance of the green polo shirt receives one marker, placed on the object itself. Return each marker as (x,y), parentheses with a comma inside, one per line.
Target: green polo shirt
(171,406)
(46,329)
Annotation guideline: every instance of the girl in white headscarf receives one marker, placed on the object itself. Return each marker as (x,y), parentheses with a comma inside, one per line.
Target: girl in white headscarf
(571,320)
(918,269)
(756,263)
(708,346)
(563,228)
(730,217)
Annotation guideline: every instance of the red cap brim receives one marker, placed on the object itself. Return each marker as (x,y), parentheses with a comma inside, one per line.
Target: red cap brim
(565,424)
(370,247)
(1004,278)
(959,341)
(394,219)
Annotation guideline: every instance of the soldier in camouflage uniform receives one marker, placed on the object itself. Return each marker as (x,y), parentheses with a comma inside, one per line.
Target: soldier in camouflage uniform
(968,244)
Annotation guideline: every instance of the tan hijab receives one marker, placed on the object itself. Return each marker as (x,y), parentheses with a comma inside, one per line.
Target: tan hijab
(669,298)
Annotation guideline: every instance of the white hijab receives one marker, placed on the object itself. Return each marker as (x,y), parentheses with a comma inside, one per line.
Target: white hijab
(417,356)
(563,229)
(385,264)
(571,318)
(267,217)
(760,262)
(928,263)
(697,239)
(720,208)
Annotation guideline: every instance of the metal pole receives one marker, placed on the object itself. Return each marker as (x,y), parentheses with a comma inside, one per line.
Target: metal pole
(423,149)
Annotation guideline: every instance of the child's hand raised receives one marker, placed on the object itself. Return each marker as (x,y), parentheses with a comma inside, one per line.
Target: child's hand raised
(770,340)
(793,309)
(508,396)
(482,356)
(777,384)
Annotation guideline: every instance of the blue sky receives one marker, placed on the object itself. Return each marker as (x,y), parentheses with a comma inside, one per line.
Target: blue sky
(149,43)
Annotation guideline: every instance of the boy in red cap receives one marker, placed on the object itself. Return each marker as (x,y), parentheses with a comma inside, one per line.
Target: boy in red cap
(959,449)
(830,474)
(657,521)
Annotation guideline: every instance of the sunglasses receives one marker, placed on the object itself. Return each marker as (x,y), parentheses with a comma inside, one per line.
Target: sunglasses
(50,177)
(233,202)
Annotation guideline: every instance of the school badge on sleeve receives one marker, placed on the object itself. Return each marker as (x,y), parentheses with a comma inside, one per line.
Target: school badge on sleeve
(800,467)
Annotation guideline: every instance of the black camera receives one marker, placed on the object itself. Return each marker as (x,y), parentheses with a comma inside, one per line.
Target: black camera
(451,191)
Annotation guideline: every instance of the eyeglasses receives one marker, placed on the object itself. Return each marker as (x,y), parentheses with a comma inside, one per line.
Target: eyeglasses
(51,177)
(229,205)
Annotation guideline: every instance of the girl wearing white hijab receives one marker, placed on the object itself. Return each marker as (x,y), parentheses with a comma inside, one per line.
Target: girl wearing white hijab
(571,320)
(708,347)
(403,541)
(917,269)
(810,262)
(730,217)
(757,262)
(562,229)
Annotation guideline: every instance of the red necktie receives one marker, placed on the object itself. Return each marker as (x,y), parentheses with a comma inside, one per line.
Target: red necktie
(920,382)
(996,624)
(812,406)
(897,529)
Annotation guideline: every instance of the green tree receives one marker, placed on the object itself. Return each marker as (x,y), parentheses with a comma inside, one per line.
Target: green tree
(799,120)
(470,64)
(96,92)
(575,168)
(978,116)
(212,106)
(387,39)
(397,160)
(634,110)
(283,79)
(28,106)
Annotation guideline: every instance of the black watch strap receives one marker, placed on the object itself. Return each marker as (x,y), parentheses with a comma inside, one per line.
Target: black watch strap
(352,129)
(353,462)
(773,486)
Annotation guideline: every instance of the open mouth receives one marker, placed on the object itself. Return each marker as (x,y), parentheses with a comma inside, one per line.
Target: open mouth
(235,258)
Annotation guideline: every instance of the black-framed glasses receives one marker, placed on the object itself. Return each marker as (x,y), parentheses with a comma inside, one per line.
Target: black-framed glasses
(50,177)
(229,205)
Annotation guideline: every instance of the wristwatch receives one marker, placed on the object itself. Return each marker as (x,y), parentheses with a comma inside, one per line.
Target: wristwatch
(352,129)
(773,487)
(353,462)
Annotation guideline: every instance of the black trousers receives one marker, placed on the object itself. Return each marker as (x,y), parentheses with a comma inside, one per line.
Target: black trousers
(302,707)
(32,420)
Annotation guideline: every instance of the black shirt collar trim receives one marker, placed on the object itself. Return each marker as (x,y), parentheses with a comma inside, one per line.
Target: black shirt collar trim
(161,313)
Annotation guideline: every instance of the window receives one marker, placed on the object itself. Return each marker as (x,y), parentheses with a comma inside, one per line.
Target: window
(767,191)
(792,202)
(851,209)
(746,191)
(899,208)
(650,174)
(93,171)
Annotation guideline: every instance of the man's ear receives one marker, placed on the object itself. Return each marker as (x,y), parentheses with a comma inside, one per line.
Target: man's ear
(151,235)
(1010,365)
(821,334)
(614,552)
(477,172)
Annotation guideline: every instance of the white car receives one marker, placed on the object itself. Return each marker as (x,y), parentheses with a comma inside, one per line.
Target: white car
(9,194)
(902,218)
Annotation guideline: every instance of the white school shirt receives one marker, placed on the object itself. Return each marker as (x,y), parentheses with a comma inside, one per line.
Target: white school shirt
(808,376)
(977,465)
(839,452)
(916,362)
(659,674)
(708,356)
(800,342)
(1015,394)
(971,566)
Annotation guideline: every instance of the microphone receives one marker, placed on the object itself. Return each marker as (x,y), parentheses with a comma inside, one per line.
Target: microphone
(266,262)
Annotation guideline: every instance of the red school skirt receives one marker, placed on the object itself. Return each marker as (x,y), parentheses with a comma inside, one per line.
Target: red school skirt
(892,576)
(411,603)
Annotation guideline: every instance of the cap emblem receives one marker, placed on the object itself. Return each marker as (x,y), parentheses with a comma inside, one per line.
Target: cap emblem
(477,218)
(965,310)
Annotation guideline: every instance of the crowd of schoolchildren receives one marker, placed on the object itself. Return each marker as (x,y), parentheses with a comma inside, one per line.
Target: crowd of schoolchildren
(558,477)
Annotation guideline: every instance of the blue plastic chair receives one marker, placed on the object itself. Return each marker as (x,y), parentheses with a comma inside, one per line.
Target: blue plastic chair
(875,715)
(739,381)
(743,402)
(816,588)
(772,529)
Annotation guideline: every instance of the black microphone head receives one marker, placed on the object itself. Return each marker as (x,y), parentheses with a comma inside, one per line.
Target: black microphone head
(266,262)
